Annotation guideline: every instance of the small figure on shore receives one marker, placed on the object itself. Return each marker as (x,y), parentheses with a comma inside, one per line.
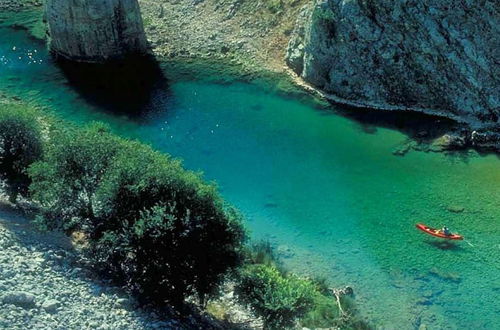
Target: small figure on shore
(445,231)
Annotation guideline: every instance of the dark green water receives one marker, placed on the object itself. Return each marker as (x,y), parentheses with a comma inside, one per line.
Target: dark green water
(330,195)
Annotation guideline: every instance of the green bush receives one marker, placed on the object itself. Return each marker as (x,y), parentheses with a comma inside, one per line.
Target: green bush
(279,299)
(274,6)
(325,313)
(150,224)
(65,183)
(164,213)
(263,253)
(20,146)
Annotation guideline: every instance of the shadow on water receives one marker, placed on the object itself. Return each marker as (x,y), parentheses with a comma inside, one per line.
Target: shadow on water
(445,245)
(416,125)
(134,87)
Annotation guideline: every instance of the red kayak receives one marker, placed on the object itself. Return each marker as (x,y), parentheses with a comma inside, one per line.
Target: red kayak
(437,232)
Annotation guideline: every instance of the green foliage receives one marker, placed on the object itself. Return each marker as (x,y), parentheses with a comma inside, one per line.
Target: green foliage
(274,6)
(325,313)
(66,181)
(262,253)
(322,313)
(20,146)
(151,224)
(279,299)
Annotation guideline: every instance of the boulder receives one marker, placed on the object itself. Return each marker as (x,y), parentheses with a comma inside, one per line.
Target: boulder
(95,31)
(449,142)
(50,305)
(20,299)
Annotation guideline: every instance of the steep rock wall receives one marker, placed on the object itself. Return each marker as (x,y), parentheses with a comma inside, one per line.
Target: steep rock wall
(95,30)
(436,56)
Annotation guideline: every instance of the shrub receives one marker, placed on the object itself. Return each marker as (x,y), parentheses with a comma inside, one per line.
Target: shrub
(274,6)
(151,224)
(263,253)
(20,146)
(325,313)
(169,215)
(66,181)
(279,299)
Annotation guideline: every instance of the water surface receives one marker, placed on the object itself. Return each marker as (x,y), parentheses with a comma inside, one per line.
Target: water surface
(329,194)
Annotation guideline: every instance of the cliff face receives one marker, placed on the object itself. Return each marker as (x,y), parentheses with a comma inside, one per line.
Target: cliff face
(436,56)
(95,30)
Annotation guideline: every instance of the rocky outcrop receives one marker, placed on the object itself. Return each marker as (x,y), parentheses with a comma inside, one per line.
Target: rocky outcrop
(436,56)
(95,31)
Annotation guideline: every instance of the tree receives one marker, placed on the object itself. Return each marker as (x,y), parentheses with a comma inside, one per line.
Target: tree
(156,210)
(150,224)
(20,146)
(66,181)
(279,299)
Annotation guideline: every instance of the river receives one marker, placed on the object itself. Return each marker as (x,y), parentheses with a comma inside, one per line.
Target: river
(326,190)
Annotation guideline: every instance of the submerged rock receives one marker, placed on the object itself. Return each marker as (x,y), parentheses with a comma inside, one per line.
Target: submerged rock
(438,57)
(455,208)
(95,31)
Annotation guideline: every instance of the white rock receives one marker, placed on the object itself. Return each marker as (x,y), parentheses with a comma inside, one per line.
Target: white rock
(50,305)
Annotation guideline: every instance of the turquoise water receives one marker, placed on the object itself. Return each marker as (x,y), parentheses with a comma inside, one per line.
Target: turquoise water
(327,192)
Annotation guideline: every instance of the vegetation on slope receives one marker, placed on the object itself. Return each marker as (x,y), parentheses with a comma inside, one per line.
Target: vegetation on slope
(20,146)
(149,224)
(284,300)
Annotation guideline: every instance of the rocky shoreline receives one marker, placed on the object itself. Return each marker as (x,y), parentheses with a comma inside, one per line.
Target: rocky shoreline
(45,285)
(460,138)
(19,4)
(225,31)
(424,56)
(253,37)
(250,34)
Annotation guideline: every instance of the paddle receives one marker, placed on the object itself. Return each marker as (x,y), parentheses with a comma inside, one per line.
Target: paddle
(466,241)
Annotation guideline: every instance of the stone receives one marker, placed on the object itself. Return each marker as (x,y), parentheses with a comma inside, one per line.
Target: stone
(436,57)
(50,305)
(95,31)
(455,208)
(122,302)
(20,299)
(402,149)
(486,139)
(448,142)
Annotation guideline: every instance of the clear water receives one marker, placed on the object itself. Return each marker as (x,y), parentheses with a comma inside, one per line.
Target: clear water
(331,196)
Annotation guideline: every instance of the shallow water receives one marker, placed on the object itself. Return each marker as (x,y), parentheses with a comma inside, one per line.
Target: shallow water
(330,195)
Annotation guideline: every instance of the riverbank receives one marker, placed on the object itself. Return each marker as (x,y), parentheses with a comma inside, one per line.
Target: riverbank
(43,273)
(249,39)
(228,309)
(44,284)
(353,220)
(251,34)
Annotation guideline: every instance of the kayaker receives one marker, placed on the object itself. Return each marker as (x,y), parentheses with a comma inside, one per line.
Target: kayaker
(445,231)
